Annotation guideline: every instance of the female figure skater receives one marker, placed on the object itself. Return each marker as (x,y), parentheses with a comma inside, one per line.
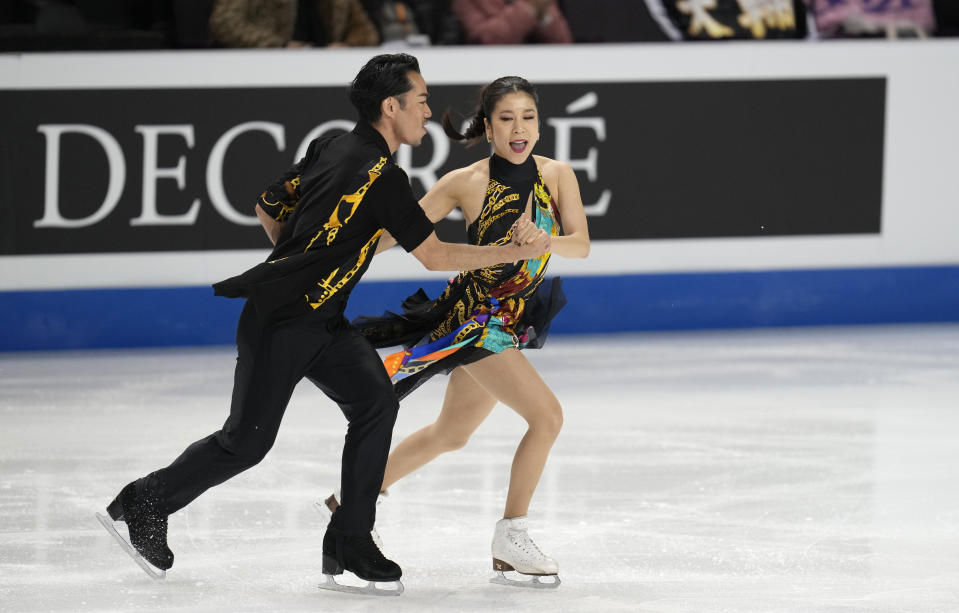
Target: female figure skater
(476,328)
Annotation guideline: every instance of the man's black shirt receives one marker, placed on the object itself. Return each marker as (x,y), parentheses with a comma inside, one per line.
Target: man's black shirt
(335,204)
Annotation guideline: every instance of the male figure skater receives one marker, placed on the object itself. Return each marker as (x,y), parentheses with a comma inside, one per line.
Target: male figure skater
(325,216)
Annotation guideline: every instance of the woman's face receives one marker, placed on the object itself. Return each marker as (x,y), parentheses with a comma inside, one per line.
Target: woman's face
(513,127)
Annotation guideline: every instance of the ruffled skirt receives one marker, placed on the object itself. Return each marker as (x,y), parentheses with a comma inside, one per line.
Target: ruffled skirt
(489,329)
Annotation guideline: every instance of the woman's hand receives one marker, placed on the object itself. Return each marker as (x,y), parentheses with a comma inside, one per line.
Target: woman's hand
(531,240)
(523,231)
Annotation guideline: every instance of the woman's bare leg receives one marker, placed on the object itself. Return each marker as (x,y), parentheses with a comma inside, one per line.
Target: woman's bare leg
(465,407)
(511,379)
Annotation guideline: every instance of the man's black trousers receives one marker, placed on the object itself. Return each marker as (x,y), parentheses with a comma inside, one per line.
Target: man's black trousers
(270,362)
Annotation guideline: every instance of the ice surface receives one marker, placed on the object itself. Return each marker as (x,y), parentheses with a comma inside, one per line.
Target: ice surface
(777,471)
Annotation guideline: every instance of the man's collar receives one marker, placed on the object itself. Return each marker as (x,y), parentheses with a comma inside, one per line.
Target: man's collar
(368,132)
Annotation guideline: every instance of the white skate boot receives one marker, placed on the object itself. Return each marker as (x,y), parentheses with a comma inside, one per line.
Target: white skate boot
(332,503)
(514,550)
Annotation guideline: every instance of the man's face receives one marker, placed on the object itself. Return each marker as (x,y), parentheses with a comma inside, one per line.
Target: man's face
(413,112)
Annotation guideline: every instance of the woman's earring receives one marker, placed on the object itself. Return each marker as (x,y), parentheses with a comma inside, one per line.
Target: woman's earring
(488,139)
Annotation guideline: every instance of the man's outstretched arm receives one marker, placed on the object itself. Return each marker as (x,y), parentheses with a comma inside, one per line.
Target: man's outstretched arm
(434,254)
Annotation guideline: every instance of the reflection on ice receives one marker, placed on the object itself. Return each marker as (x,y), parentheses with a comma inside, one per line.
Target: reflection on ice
(776,470)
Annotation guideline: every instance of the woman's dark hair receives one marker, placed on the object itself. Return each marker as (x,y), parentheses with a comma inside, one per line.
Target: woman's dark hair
(383,76)
(488,97)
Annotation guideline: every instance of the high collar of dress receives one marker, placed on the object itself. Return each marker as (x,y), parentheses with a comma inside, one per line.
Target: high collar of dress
(509,173)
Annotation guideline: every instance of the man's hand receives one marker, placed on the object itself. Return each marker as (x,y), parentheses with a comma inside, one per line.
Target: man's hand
(523,231)
(530,240)
(270,225)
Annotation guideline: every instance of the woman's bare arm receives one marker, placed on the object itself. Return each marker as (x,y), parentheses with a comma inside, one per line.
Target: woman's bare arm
(574,242)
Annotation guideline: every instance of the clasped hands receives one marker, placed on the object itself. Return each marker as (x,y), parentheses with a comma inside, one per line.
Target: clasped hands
(532,240)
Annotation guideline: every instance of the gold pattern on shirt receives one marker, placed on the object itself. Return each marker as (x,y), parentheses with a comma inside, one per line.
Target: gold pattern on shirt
(341,215)
(347,206)
(326,284)
(292,190)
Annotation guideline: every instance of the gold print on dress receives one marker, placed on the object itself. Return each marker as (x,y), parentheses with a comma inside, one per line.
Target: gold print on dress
(466,331)
(493,192)
(702,20)
(541,194)
(454,318)
(412,370)
(513,285)
(484,226)
(347,206)
(491,274)
(494,202)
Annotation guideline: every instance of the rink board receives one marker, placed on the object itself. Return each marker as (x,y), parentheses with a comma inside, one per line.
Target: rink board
(118,247)
(136,317)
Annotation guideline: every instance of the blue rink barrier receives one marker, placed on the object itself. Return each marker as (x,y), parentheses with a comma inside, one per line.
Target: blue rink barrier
(175,316)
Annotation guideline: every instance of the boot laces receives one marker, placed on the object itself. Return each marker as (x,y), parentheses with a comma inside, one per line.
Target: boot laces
(521,539)
(365,546)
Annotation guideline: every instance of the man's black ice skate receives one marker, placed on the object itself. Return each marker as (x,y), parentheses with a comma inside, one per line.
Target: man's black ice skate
(147,527)
(359,555)
(326,507)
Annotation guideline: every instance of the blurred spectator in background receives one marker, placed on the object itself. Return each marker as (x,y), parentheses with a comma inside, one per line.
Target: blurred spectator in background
(191,23)
(505,22)
(395,22)
(870,18)
(947,17)
(64,25)
(337,23)
(57,25)
(436,19)
(731,19)
(611,21)
(414,22)
(291,23)
(254,23)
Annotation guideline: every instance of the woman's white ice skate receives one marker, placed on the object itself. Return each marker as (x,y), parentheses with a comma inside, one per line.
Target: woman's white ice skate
(514,550)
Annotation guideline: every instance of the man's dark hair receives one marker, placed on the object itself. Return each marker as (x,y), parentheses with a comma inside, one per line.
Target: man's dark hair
(383,76)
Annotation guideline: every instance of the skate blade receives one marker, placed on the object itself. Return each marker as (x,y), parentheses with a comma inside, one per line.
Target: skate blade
(370,589)
(154,573)
(323,510)
(320,507)
(534,581)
